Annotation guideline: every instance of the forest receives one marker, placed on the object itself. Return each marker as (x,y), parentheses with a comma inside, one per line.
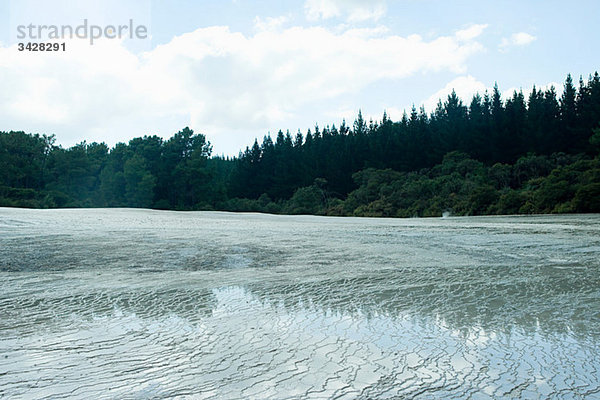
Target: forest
(488,156)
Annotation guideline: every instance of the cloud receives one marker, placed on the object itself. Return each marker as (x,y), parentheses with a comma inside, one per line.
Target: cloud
(351,10)
(471,32)
(464,86)
(225,84)
(269,23)
(467,86)
(516,39)
(558,88)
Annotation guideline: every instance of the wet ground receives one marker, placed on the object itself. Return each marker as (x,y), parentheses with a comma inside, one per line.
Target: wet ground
(155,304)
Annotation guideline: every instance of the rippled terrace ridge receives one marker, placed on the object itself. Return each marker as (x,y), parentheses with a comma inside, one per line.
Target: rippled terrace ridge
(155,304)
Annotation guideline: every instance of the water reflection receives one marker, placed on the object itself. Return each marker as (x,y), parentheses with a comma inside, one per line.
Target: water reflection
(248,346)
(138,304)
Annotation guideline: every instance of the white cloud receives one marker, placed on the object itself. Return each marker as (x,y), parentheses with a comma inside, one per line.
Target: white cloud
(225,84)
(464,86)
(522,38)
(471,32)
(516,39)
(558,88)
(467,86)
(351,10)
(269,23)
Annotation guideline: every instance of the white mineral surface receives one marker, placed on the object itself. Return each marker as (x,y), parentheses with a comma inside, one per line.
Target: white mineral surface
(143,304)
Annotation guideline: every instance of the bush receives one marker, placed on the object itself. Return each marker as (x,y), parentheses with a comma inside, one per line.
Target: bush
(552,193)
(509,203)
(587,198)
(272,208)
(481,199)
(531,167)
(306,200)
(500,175)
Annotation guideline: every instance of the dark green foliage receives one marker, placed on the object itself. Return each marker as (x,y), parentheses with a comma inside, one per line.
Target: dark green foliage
(587,198)
(23,159)
(595,139)
(510,202)
(487,156)
(139,182)
(76,172)
(147,172)
(489,130)
(306,200)
(449,188)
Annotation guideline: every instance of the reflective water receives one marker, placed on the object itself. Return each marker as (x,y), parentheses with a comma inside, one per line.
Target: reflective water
(150,304)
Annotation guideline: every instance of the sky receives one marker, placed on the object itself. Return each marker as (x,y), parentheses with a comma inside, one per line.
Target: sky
(236,70)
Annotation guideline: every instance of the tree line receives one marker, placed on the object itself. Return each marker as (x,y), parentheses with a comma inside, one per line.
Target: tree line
(489,156)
